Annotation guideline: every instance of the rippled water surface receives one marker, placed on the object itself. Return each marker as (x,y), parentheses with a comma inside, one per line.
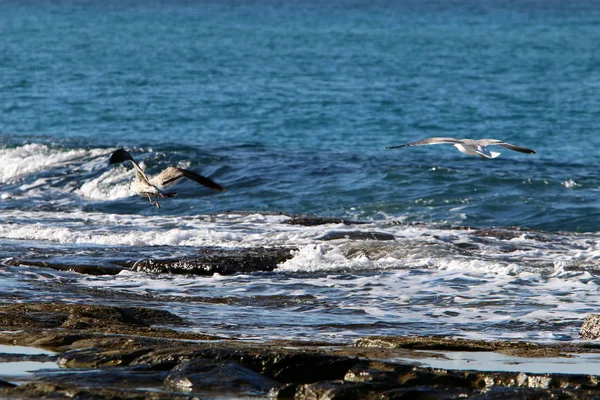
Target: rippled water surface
(290,106)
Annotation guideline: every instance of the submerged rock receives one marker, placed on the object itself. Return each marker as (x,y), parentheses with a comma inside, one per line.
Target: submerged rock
(356,235)
(513,233)
(91,269)
(314,221)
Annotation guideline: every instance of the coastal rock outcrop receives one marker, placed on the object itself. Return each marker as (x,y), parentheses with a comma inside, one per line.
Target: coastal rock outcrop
(105,352)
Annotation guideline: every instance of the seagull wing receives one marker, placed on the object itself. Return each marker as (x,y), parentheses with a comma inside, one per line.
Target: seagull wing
(516,148)
(122,155)
(424,142)
(172,174)
(485,142)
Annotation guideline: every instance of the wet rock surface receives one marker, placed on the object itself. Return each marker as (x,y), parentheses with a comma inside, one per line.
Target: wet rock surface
(218,260)
(205,375)
(104,352)
(82,319)
(95,269)
(315,221)
(207,261)
(356,235)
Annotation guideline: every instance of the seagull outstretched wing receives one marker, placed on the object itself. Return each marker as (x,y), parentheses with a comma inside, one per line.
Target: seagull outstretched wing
(428,141)
(173,174)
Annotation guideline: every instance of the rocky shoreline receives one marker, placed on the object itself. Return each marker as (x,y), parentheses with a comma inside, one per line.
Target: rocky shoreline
(92,346)
(104,352)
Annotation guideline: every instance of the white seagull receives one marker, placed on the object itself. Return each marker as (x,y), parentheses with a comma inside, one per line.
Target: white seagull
(473,147)
(153,187)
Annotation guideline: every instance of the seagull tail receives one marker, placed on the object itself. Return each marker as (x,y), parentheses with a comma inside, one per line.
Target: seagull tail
(485,152)
(119,156)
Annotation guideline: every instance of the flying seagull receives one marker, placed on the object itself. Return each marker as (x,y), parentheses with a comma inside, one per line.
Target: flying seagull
(472,147)
(153,187)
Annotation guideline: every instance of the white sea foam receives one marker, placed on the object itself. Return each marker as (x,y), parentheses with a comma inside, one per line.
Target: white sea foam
(570,184)
(413,247)
(321,257)
(18,162)
(416,301)
(111,185)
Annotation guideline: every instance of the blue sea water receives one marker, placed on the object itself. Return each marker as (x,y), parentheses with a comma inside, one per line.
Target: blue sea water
(290,105)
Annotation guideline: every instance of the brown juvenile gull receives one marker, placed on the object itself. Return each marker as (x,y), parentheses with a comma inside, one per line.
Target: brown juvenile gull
(473,147)
(153,187)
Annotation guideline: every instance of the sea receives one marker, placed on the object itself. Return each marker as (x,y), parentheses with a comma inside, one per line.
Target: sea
(290,105)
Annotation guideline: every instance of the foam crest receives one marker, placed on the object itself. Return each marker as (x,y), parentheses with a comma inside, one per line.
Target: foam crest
(131,237)
(18,162)
(413,247)
(111,185)
(321,257)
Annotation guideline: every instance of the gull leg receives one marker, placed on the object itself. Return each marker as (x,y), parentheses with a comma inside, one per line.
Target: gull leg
(153,203)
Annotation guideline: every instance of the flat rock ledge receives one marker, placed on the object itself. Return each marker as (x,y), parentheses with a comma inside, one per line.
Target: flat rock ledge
(208,261)
(103,352)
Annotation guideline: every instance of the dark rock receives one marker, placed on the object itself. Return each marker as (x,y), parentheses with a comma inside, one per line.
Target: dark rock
(325,390)
(512,233)
(376,371)
(356,235)
(151,316)
(49,339)
(77,390)
(5,384)
(274,362)
(209,261)
(77,318)
(314,221)
(94,358)
(12,357)
(218,260)
(466,246)
(202,375)
(522,349)
(127,358)
(590,329)
(96,269)
(339,390)
(501,234)
(307,367)
(115,377)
